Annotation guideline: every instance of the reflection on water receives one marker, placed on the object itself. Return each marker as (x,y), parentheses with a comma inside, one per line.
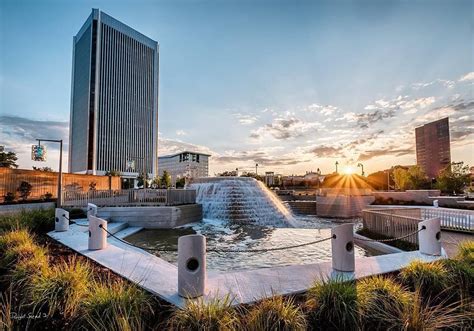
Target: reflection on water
(224,235)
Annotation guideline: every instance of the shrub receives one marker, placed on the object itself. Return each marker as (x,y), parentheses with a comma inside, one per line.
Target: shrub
(276,313)
(14,238)
(76,213)
(60,290)
(21,252)
(215,315)
(48,196)
(332,305)
(115,305)
(38,220)
(430,279)
(25,190)
(381,303)
(9,197)
(466,252)
(461,277)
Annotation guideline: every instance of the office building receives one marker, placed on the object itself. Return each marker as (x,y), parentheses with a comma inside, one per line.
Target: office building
(184,165)
(433,151)
(114,99)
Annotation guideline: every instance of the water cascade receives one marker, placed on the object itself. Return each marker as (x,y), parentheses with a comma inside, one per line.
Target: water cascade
(240,200)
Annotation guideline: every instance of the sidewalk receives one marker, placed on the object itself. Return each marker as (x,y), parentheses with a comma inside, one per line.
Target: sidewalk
(450,241)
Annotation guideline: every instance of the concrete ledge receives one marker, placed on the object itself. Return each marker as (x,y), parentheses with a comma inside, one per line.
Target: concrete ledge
(7,209)
(162,217)
(377,246)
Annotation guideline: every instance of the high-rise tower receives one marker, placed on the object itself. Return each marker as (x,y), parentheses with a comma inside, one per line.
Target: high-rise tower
(114,99)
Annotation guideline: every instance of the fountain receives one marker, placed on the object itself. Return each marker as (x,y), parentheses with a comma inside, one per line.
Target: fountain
(241,200)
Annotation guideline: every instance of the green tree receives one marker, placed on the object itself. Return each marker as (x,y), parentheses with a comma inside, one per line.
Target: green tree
(140,178)
(418,178)
(24,189)
(8,160)
(180,182)
(453,178)
(401,178)
(166,179)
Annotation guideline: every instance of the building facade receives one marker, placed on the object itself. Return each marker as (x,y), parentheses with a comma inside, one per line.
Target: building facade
(184,165)
(433,149)
(114,99)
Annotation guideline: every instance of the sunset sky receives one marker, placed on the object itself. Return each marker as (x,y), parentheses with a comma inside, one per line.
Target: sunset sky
(291,85)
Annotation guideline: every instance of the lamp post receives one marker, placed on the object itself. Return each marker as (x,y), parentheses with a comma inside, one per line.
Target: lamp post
(256,168)
(388,179)
(362,166)
(337,163)
(60,172)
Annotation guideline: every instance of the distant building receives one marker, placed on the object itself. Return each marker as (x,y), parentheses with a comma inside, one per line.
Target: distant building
(184,165)
(433,150)
(114,99)
(269,178)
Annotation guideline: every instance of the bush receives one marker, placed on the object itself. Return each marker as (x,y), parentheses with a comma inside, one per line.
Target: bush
(115,305)
(381,302)
(9,197)
(76,213)
(466,252)
(332,305)
(19,253)
(25,190)
(60,290)
(430,279)
(215,315)
(14,238)
(38,220)
(276,313)
(461,277)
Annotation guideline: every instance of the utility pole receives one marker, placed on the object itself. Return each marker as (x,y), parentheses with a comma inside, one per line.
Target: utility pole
(60,172)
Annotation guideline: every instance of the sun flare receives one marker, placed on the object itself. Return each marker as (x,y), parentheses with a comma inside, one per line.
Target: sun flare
(349,170)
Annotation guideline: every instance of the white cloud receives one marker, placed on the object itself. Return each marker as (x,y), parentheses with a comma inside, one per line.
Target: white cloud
(246,119)
(181,133)
(466,77)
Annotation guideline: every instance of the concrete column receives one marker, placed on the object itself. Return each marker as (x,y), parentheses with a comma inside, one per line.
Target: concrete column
(91,209)
(191,265)
(342,245)
(435,203)
(429,239)
(97,236)
(61,220)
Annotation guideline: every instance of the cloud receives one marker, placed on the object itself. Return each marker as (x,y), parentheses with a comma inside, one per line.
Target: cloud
(327,151)
(390,150)
(284,128)
(245,119)
(467,77)
(262,157)
(172,146)
(323,110)
(181,133)
(446,83)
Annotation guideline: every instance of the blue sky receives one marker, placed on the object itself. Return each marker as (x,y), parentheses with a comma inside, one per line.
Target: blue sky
(292,85)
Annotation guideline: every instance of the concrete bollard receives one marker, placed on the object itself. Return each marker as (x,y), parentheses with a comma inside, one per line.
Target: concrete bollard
(61,220)
(192,265)
(429,239)
(97,236)
(91,209)
(435,203)
(342,245)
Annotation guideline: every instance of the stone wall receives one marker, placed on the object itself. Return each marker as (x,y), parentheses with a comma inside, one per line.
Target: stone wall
(153,217)
(303,207)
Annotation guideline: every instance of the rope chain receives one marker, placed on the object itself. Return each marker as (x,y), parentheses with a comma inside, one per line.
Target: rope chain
(216,250)
(393,239)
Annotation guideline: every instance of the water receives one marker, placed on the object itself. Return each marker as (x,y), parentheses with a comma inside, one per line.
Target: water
(241,213)
(241,200)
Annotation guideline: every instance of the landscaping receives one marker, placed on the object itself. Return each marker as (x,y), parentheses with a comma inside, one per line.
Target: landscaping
(45,285)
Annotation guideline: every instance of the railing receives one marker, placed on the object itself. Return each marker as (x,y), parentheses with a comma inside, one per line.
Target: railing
(451,219)
(116,198)
(390,224)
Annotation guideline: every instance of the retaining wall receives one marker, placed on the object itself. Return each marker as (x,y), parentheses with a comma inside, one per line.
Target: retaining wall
(6,209)
(343,206)
(303,207)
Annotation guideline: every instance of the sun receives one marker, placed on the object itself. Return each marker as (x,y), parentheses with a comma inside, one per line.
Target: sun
(349,170)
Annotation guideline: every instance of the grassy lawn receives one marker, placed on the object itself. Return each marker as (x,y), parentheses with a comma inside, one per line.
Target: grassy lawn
(46,286)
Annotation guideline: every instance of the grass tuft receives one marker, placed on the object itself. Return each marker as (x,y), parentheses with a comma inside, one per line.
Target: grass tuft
(466,252)
(332,305)
(215,315)
(60,290)
(115,305)
(381,303)
(276,313)
(37,221)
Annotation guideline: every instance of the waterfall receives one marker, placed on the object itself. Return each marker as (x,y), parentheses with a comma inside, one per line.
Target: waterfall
(240,200)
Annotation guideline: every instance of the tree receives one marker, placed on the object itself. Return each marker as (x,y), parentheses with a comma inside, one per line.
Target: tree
(9,197)
(156,182)
(180,182)
(418,178)
(453,178)
(141,181)
(24,189)
(8,160)
(401,178)
(166,179)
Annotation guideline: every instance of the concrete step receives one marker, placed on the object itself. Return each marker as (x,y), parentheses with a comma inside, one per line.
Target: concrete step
(128,231)
(112,227)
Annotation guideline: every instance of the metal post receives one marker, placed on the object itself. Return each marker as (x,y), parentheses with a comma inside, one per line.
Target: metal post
(60,172)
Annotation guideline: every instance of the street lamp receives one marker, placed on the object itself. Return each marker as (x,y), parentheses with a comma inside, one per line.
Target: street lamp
(256,168)
(60,173)
(337,163)
(362,166)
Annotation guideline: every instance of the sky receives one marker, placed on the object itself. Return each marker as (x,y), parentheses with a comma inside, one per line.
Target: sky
(290,85)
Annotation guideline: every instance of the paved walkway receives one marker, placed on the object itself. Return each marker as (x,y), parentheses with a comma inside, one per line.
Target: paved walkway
(450,241)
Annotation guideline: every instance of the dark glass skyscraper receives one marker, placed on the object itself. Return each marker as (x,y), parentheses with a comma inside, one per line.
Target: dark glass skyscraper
(114,99)
(433,149)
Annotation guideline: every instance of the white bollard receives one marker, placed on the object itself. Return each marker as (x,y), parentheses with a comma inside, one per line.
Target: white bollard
(91,209)
(342,244)
(191,265)
(435,203)
(97,235)
(61,220)
(429,239)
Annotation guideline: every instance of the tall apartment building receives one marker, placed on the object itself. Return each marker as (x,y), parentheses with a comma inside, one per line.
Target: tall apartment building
(184,164)
(114,99)
(433,150)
